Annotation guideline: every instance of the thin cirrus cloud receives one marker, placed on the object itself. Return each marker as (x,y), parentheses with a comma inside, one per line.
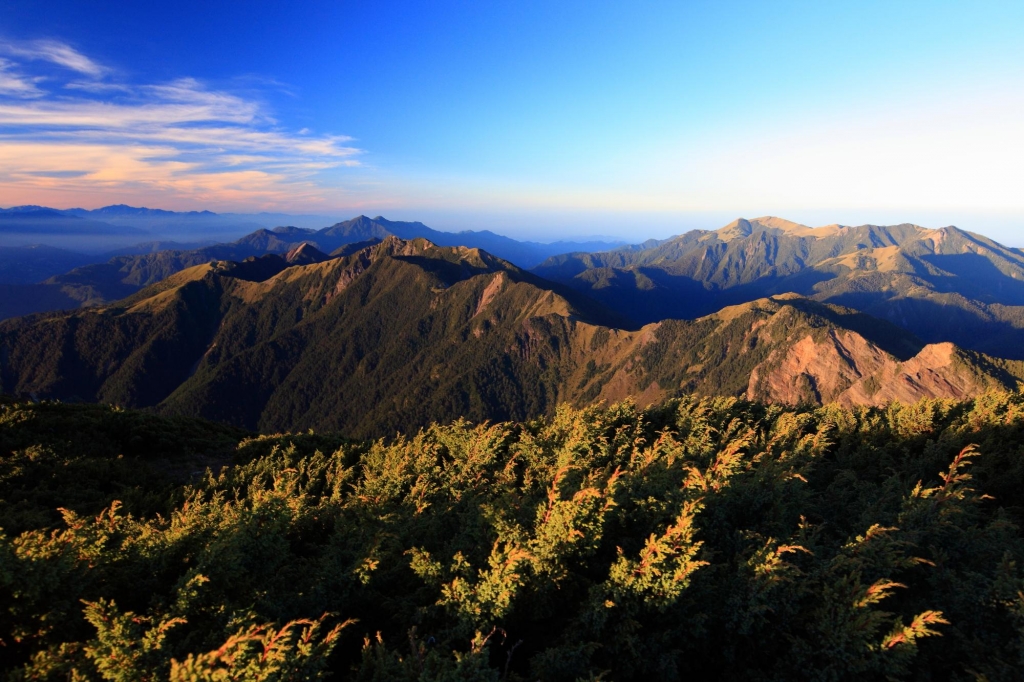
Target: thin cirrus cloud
(55,52)
(78,135)
(15,84)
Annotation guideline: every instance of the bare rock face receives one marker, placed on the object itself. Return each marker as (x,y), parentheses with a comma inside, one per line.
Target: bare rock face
(845,368)
(932,373)
(817,371)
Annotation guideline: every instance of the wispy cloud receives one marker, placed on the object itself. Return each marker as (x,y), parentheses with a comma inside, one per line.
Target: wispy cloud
(64,140)
(12,83)
(54,52)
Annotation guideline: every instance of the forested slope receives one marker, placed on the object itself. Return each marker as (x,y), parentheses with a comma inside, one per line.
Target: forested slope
(706,539)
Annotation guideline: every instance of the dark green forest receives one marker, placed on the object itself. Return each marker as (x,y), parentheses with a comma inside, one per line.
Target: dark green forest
(709,539)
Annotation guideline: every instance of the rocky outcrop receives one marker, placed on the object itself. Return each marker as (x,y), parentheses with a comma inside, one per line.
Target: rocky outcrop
(817,371)
(845,368)
(938,371)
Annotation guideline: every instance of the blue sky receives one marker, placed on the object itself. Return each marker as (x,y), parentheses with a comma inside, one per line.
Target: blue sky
(538,120)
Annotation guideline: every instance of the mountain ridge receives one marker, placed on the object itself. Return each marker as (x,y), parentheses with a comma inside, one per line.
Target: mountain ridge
(404,332)
(97,283)
(942,284)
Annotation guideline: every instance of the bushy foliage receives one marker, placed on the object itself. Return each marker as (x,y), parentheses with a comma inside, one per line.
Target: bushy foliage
(704,539)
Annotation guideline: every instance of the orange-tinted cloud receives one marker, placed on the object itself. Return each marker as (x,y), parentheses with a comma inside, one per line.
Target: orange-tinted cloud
(95,141)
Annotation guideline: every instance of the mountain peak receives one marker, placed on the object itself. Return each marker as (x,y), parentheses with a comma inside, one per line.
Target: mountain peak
(741,228)
(305,254)
(737,229)
(475,258)
(782,224)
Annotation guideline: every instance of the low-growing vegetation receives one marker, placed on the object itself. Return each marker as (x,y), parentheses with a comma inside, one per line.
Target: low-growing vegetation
(703,539)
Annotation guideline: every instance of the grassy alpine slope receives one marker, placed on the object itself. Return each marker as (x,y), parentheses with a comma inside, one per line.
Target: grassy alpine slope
(705,539)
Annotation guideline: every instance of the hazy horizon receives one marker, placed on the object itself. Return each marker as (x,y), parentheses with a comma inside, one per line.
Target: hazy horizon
(639,226)
(527,120)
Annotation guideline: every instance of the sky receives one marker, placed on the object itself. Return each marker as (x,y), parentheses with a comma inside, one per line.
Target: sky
(538,120)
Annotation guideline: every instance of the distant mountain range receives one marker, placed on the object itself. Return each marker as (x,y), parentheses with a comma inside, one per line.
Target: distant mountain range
(47,223)
(942,285)
(122,275)
(397,333)
(117,227)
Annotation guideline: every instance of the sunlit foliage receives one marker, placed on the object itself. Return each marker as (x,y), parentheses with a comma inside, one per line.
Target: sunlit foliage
(704,539)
